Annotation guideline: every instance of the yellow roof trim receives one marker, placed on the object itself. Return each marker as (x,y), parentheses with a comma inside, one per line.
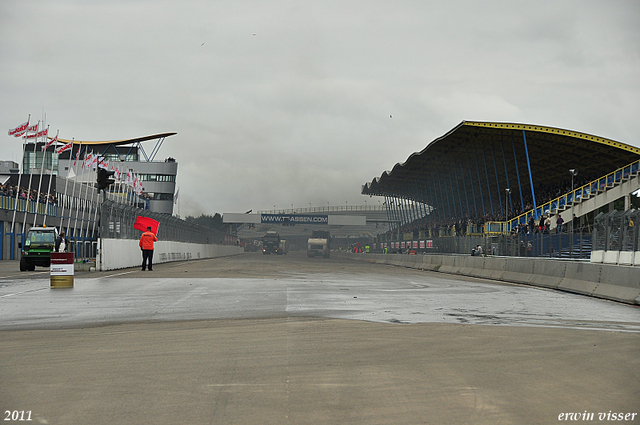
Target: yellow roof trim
(553,130)
(118,142)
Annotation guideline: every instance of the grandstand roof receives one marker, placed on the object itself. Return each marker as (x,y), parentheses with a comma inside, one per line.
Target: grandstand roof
(476,156)
(119,142)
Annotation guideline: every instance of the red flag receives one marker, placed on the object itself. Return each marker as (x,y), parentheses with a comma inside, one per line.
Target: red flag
(143,222)
(64,148)
(77,155)
(51,142)
(19,130)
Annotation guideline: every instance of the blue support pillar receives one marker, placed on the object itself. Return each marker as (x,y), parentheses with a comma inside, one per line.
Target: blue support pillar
(436,203)
(495,168)
(484,211)
(403,210)
(515,160)
(386,205)
(533,194)
(464,184)
(427,200)
(442,196)
(458,187)
(473,190)
(419,198)
(506,174)
(433,211)
(453,198)
(486,172)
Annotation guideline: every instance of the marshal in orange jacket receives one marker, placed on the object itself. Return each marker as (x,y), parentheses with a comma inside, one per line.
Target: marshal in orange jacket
(147,239)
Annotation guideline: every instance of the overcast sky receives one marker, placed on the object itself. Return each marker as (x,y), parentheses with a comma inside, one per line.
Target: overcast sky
(289,102)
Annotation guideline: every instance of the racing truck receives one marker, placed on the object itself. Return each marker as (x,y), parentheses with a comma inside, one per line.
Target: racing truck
(271,243)
(319,244)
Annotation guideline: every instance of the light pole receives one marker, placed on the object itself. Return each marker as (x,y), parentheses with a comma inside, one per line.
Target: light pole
(573,172)
(506,207)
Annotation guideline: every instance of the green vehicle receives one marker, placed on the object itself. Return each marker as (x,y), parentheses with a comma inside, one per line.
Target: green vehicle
(38,245)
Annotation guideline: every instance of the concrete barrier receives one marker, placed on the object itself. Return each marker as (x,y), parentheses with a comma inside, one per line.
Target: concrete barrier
(597,256)
(625,258)
(609,281)
(547,273)
(518,270)
(122,253)
(611,257)
(493,268)
(619,283)
(581,278)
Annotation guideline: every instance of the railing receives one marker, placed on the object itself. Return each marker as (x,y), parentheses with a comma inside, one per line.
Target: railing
(578,195)
(9,202)
(332,208)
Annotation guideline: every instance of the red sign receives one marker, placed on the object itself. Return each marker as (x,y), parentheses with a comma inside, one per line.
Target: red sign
(62,258)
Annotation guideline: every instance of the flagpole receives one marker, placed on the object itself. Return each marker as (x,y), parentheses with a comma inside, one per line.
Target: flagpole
(46,204)
(66,183)
(15,204)
(75,223)
(95,214)
(26,209)
(44,154)
(85,213)
(86,186)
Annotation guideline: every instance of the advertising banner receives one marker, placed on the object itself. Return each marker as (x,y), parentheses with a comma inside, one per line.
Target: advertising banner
(294,219)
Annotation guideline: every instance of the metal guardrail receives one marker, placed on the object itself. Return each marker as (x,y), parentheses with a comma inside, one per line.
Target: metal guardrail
(578,195)
(40,208)
(117,220)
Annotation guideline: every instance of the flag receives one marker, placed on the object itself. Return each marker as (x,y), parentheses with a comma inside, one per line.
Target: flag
(87,160)
(65,148)
(129,180)
(77,155)
(51,142)
(175,197)
(41,133)
(143,222)
(117,174)
(19,130)
(103,163)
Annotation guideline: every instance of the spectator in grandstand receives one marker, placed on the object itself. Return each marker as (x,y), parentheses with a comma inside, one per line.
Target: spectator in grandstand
(547,224)
(146,245)
(559,222)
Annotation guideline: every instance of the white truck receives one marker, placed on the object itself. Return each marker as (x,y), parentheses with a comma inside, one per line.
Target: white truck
(319,244)
(284,247)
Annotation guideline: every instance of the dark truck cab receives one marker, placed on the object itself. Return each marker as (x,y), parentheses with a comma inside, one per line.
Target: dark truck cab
(38,245)
(271,243)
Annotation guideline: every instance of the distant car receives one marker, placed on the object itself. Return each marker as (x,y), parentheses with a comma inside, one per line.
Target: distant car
(37,248)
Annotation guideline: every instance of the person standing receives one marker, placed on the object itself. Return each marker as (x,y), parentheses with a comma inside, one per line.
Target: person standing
(61,243)
(146,245)
(559,222)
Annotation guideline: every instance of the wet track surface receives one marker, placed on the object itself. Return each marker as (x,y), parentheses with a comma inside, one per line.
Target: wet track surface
(257,286)
(290,340)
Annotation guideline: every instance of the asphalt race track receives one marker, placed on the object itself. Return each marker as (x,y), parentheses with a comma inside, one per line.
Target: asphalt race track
(256,339)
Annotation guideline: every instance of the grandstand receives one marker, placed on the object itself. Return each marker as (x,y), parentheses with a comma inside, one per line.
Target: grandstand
(495,178)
